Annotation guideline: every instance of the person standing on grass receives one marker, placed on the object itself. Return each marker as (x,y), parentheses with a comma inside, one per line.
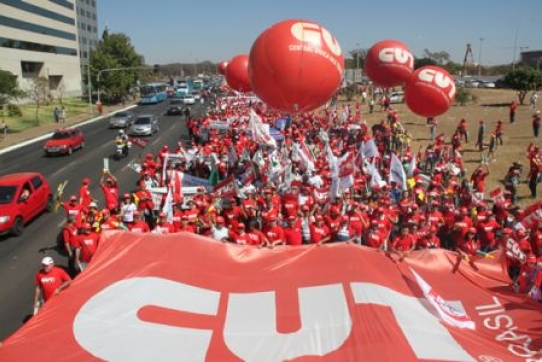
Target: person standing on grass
(533,100)
(56,114)
(480,139)
(5,129)
(492,147)
(513,106)
(499,131)
(432,125)
(536,124)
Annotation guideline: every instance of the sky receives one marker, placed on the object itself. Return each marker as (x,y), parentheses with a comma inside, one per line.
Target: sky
(183,31)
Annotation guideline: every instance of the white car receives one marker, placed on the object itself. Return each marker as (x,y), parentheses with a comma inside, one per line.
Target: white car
(397,97)
(188,99)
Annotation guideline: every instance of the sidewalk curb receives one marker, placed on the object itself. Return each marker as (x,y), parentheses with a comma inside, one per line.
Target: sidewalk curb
(45,136)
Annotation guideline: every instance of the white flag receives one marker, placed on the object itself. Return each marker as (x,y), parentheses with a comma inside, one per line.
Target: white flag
(168,205)
(397,172)
(369,149)
(260,130)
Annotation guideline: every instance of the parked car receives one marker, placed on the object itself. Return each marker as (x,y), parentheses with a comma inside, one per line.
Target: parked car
(486,84)
(23,196)
(64,142)
(397,97)
(472,83)
(176,100)
(144,125)
(122,119)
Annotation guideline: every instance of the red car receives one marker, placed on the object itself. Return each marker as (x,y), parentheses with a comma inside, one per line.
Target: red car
(64,142)
(23,196)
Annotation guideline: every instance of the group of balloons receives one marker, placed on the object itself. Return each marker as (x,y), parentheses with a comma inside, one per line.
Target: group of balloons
(429,91)
(297,66)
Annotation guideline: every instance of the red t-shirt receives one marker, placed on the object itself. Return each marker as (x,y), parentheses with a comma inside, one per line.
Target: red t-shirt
(50,281)
(139,227)
(88,244)
(111,196)
(403,242)
(293,235)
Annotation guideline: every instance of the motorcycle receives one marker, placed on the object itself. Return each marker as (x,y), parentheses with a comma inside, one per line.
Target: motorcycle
(121,149)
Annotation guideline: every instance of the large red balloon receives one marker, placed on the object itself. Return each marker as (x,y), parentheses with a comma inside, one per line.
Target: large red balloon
(389,63)
(222,67)
(237,73)
(295,66)
(429,91)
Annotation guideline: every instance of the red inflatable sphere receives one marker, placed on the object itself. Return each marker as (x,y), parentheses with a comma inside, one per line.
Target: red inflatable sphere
(237,73)
(222,67)
(295,66)
(389,63)
(429,91)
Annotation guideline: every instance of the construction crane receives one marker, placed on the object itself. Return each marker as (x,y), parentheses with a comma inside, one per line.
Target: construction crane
(467,60)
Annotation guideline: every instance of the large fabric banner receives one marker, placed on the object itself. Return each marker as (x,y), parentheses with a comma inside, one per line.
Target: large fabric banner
(184,297)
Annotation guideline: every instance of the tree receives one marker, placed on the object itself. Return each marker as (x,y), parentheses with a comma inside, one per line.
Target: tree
(359,55)
(523,80)
(422,62)
(60,91)
(440,58)
(115,51)
(39,91)
(8,87)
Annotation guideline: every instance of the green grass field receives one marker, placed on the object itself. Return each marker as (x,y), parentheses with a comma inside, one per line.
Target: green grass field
(74,106)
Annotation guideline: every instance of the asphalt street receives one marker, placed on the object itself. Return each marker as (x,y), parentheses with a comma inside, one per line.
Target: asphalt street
(20,257)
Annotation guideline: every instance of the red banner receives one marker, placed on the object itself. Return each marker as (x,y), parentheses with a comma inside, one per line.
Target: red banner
(139,142)
(181,296)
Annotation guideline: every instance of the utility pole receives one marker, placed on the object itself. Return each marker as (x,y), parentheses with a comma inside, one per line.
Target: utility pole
(480,57)
(89,83)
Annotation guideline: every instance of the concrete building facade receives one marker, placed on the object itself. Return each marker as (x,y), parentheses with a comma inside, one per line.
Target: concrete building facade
(87,37)
(40,38)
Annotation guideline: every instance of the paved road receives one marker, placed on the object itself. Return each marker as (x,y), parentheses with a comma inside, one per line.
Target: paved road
(20,257)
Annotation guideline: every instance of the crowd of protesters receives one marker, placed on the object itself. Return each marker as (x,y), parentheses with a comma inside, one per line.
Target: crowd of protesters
(324,177)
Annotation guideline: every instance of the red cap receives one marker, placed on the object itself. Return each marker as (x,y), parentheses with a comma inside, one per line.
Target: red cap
(126,196)
(345,218)
(73,198)
(305,208)
(162,214)
(86,181)
(240,225)
(219,219)
(137,213)
(86,226)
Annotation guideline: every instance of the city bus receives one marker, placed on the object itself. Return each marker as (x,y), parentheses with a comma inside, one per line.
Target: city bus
(153,93)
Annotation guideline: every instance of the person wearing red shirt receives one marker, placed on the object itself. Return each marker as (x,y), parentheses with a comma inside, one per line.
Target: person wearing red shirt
(292,232)
(536,239)
(177,213)
(486,232)
(109,223)
(240,236)
(74,209)
(138,225)
(430,240)
(320,232)
(84,193)
(268,210)
(257,238)
(512,111)
(523,242)
(404,241)
(85,246)
(290,205)
(374,237)
(274,232)
(144,202)
(527,274)
(192,212)
(469,244)
(249,206)
(478,180)
(359,221)
(162,225)
(49,281)
(186,226)
(69,234)
(110,189)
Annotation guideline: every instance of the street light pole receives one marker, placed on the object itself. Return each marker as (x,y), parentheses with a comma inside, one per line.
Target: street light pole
(89,83)
(480,58)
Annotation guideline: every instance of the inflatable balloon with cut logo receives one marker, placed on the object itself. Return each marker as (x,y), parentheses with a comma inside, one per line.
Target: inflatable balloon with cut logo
(296,66)
(237,73)
(389,63)
(222,66)
(429,91)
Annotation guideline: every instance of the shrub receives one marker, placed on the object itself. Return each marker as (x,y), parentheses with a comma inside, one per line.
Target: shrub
(14,110)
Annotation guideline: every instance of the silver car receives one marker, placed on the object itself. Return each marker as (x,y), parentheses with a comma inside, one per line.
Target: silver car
(144,125)
(121,119)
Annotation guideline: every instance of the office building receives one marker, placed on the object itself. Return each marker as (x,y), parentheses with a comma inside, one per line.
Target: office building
(87,38)
(39,38)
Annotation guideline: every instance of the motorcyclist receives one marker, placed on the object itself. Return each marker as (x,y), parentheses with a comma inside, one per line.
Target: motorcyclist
(122,141)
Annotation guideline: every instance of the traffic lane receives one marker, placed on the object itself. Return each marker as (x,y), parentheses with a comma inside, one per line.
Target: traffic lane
(20,257)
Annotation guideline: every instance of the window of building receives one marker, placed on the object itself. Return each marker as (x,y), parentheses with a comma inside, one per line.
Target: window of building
(89,28)
(82,11)
(83,26)
(65,3)
(84,40)
(88,2)
(95,29)
(33,9)
(94,16)
(36,47)
(31,69)
(88,14)
(35,28)
(93,3)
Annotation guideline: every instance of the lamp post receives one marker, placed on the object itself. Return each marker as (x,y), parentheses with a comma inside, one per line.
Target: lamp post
(89,83)
(480,57)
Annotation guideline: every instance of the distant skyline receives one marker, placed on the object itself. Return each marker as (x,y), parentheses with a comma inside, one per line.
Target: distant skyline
(173,31)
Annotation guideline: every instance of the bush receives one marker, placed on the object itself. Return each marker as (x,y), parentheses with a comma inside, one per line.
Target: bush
(14,110)
(464,97)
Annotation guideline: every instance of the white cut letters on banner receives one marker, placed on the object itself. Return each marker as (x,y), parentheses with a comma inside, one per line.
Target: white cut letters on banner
(254,315)
(108,326)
